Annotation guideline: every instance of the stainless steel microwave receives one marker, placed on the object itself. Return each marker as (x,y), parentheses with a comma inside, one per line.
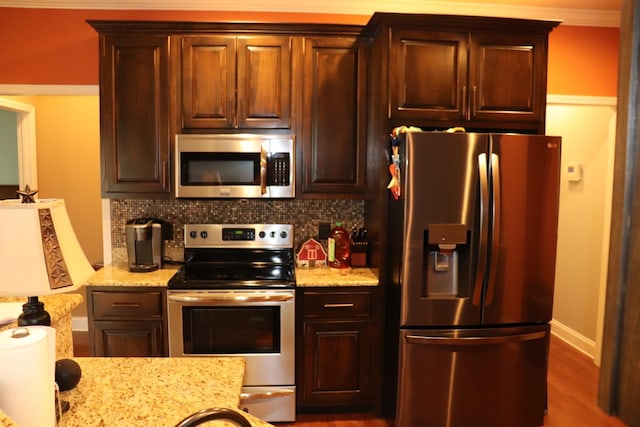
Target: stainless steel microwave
(235,166)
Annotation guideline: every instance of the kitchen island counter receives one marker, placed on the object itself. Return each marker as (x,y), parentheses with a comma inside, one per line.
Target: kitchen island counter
(134,391)
(59,307)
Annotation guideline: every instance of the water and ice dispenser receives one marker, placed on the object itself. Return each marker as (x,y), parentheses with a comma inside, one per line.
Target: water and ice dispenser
(446,252)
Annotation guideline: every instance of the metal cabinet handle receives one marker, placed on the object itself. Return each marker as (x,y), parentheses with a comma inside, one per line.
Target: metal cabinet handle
(230,297)
(474,101)
(464,102)
(126,304)
(339,305)
(165,173)
(470,341)
(249,397)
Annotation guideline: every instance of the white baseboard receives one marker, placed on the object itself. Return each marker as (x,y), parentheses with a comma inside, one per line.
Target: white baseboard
(574,339)
(80,324)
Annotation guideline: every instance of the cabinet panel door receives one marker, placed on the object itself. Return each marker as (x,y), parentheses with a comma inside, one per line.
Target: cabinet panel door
(134,107)
(208,81)
(264,82)
(427,75)
(507,77)
(128,339)
(337,363)
(334,123)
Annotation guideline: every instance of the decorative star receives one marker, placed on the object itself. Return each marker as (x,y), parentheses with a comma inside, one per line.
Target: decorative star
(28,195)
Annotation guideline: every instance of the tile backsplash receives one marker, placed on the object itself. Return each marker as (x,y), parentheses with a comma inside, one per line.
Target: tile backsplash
(305,215)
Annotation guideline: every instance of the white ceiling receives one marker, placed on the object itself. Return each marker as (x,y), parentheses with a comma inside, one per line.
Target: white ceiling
(572,12)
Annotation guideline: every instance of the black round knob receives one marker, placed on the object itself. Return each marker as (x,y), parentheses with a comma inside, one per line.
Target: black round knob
(67,374)
(204,234)
(262,234)
(283,234)
(193,234)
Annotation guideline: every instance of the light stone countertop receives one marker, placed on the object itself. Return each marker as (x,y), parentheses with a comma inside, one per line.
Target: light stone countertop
(119,275)
(335,277)
(148,391)
(59,307)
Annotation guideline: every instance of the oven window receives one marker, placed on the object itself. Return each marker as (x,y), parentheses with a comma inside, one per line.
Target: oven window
(231,330)
(220,168)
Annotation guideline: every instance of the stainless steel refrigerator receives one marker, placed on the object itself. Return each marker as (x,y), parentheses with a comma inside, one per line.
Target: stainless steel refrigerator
(472,238)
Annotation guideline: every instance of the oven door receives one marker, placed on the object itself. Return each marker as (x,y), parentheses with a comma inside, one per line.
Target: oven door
(258,325)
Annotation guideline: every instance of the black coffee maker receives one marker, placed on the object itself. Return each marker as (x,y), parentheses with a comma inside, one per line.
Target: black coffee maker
(145,237)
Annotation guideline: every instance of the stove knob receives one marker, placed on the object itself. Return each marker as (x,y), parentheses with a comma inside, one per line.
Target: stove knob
(283,234)
(262,234)
(272,234)
(193,234)
(204,234)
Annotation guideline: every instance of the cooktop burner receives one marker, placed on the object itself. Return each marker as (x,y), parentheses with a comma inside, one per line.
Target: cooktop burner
(236,256)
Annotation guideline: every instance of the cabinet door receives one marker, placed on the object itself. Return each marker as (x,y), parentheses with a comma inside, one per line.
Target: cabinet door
(427,75)
(128,339)
(337,363)
(208,81)
(507,76)
(134,120)
(334,119)
(264,82)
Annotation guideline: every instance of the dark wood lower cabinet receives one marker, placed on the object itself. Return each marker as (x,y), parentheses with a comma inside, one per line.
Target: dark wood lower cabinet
(128,338)
(127,321)
(335,350)
(337,363)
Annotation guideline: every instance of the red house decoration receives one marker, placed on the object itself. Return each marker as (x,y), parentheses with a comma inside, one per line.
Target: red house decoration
(311,254)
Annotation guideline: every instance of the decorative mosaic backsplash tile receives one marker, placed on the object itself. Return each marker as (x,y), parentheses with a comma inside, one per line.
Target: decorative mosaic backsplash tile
(305,215)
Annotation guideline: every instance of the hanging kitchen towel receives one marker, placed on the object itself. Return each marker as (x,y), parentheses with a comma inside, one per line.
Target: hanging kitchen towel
(27,372)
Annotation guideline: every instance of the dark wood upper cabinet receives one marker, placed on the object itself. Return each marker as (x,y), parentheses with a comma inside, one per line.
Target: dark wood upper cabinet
(333,139)
(427,74)
(507,77)
(236,81)
(465,77)
(134,115)
(443,71)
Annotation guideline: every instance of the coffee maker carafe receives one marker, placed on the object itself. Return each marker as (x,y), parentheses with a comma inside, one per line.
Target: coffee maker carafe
(144,244)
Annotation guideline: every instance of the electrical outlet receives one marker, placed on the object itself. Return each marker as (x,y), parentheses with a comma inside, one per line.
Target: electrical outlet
(323,230)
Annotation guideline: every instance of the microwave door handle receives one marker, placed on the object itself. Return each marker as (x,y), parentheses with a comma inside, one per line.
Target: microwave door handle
(263,171)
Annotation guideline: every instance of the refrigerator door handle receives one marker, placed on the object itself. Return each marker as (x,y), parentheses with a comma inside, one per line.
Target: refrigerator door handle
(495,228)
(468,341)
(484,228)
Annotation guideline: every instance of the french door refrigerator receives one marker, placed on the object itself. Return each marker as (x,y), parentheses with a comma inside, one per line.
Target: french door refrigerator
(472,235)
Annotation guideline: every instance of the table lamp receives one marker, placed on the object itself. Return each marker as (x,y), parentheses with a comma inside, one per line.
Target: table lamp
(39,253)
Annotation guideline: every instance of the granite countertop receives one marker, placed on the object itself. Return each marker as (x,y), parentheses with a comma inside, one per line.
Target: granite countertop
(119,275)
(135,391)
(57,305)
(335,277)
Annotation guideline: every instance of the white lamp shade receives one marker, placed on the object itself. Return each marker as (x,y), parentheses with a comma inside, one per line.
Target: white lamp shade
(39,251)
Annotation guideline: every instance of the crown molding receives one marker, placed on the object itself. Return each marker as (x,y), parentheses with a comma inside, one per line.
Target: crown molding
(578,17)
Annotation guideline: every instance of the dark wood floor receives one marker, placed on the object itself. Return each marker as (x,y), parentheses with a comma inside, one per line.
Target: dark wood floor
(573,385)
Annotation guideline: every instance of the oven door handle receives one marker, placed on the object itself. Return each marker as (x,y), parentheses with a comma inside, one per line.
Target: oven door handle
(250,397)
(231,297)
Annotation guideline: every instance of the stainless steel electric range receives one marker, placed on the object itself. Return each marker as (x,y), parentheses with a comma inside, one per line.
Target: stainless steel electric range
(235,296)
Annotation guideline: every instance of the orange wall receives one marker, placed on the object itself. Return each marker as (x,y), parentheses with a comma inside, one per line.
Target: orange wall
(583,61)
(56,46)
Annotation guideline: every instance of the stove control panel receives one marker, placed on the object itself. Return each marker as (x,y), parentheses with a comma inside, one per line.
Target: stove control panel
(238,236)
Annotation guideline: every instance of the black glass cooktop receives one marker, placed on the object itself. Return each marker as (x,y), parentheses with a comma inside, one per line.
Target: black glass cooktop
(217,269)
